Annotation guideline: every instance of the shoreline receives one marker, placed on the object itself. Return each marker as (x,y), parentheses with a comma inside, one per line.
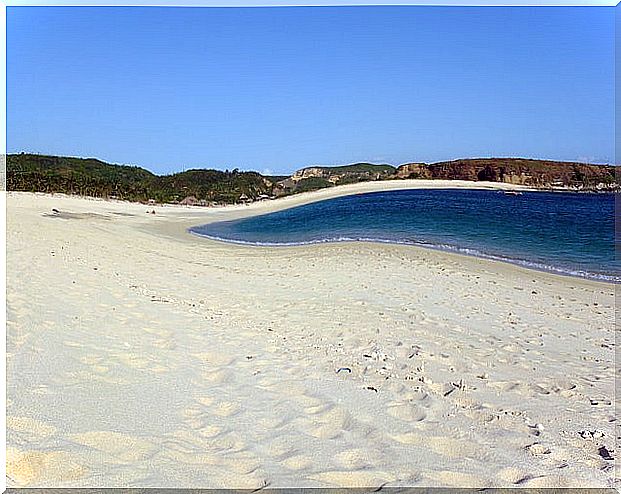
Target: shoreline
(519,263)
(237,211)
(385,186)
(202,215)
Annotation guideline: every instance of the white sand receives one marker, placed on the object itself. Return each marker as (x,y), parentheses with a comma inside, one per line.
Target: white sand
(140,355)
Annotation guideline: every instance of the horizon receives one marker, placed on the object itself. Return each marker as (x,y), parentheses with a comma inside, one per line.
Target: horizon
(255,89)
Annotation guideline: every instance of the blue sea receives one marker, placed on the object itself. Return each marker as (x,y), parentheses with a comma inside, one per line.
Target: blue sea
(566,233)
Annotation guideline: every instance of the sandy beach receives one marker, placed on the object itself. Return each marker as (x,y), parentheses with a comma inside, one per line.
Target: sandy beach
(139,355)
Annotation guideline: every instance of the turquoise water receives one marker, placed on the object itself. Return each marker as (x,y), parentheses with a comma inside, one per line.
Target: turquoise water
(567,233)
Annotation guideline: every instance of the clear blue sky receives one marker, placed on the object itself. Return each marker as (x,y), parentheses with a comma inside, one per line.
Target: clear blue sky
(276,89)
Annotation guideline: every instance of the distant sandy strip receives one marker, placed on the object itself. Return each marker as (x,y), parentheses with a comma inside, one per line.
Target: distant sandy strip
(139,355)
(268,206)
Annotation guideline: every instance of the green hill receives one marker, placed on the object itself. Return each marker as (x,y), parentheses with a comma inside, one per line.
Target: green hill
(84,176)
(210,185)
(92,177)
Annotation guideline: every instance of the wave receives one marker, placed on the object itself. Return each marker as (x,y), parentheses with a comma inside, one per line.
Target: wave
(539,266)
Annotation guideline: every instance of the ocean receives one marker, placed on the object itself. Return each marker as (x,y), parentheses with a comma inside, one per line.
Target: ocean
(565,233)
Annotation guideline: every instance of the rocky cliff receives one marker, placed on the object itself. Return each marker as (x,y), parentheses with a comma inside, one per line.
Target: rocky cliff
(339,174)
(536,173)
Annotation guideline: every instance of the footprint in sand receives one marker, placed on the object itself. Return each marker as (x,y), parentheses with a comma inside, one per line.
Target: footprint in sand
(122,447)
(193,412)
(354,459)
(352,479)
(282,446)
(229,442)
(538,449)
(412,437)
(330,424)
(189,438)
(511,475)
(25,468)
(205,400)
(242,463)
(406,412)
(29,429)
(455,448)
(297,462)
(416,395)
(447,478)
(210,431)
(214,359)
(318,409)
(309,401)
(554,481)
(226,409)
(443,446)
(251,482)
(190,457)
(275,421)
(218,376)
(504,386)
(195,417)
(133,360)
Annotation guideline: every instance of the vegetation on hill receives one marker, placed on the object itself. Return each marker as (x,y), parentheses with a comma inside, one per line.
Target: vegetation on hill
(210,185)
(92,177)
(312,183)
(89,176)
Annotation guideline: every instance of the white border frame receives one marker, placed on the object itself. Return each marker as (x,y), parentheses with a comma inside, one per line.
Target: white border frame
(186,3)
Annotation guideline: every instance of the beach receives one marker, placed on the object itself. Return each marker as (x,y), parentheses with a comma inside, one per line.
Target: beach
(139,355)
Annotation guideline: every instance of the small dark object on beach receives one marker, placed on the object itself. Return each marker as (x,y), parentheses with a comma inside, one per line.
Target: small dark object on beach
(449,391)
(587,434)
(344,369)
(599,402)
(264,484)
(604,453)
(372,388)
(54,210)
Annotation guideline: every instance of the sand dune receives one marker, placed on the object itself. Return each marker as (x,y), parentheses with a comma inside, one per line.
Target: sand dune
(139,355)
